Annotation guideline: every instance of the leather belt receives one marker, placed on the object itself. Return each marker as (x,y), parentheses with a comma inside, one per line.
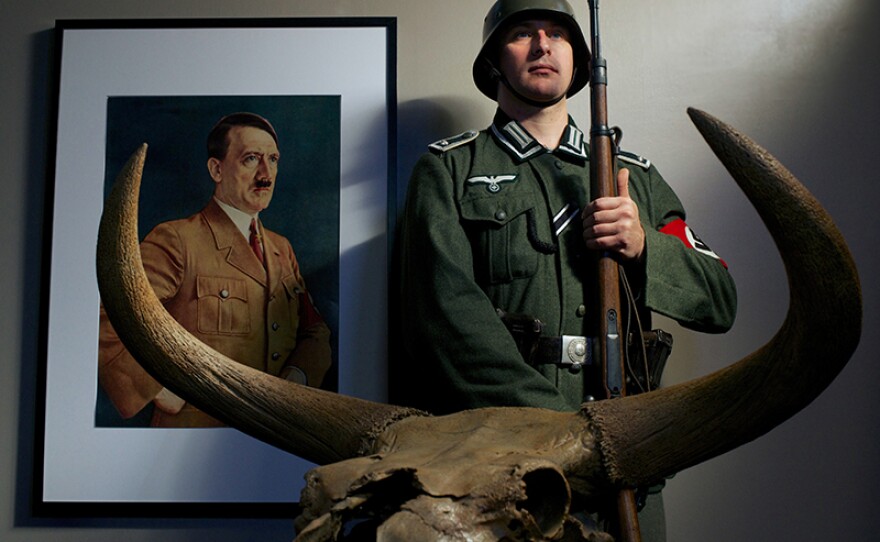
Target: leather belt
(571,351)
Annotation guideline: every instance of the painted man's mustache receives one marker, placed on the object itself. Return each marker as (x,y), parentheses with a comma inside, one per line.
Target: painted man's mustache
(263,183)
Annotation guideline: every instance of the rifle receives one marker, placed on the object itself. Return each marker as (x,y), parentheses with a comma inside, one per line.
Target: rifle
(611,334)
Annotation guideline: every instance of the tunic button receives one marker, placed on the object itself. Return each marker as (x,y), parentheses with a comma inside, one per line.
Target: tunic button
(581,310)
(275,356)
(224,293)
(559,164)
(275,326)
(500,215)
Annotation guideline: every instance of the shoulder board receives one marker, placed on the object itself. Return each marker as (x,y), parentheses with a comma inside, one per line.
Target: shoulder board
(449,143)
(634,158)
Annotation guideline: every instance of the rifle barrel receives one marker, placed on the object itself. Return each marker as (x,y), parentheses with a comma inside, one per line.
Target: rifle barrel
(611,331)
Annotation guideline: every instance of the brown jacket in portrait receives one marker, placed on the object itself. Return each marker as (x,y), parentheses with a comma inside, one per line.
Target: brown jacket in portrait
(210,281)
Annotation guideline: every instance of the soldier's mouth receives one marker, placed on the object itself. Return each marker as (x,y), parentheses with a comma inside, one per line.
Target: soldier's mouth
(542,68)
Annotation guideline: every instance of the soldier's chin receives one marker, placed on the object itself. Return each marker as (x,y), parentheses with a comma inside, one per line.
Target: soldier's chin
(543,96)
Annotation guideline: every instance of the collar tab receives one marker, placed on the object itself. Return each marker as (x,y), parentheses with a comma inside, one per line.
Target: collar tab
(520,144)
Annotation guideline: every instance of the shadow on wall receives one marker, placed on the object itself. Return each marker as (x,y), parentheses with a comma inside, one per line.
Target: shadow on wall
(820,119)
(421,122)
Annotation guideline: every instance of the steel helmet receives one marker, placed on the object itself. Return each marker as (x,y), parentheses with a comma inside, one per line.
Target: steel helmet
(507,12)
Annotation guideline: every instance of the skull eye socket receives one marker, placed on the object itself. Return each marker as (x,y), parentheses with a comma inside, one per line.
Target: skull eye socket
(547,499)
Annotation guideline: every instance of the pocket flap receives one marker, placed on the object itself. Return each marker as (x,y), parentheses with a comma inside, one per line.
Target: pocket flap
(497,210)
(291,285)
(222,288)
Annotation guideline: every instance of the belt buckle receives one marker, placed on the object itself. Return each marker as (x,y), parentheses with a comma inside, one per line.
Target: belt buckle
(575,351)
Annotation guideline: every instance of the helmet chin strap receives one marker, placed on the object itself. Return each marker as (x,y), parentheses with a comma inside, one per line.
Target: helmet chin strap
(496,74)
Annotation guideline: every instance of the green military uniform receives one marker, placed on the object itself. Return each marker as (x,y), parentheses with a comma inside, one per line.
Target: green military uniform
(492,221)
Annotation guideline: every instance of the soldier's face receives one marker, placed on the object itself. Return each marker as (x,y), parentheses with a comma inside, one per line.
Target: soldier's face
(537,59)
(246,176)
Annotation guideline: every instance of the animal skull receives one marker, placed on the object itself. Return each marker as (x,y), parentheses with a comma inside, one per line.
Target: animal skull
(482,475)
(509,473)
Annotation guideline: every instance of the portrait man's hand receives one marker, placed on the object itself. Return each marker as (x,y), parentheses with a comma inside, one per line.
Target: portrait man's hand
(168,402)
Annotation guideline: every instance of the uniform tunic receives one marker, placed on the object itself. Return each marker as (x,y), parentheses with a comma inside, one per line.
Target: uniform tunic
(492,221)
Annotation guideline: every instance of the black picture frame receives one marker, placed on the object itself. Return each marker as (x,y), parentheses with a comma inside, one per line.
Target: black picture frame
(197,68)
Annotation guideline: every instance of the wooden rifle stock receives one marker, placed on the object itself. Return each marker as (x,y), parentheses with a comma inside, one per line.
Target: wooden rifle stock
(611,332)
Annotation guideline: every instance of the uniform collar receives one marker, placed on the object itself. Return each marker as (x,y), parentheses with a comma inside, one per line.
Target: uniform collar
(520,144)
(241,219)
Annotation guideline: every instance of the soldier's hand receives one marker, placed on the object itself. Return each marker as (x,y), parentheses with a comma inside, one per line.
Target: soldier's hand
(612,224)
(168,402)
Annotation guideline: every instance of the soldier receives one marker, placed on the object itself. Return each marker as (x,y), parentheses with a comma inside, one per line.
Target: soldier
(499,232)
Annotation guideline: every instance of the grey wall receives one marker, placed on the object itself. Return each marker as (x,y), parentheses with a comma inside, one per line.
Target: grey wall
(799,76)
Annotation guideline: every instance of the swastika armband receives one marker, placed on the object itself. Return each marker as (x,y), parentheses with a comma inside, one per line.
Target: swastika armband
(678,228)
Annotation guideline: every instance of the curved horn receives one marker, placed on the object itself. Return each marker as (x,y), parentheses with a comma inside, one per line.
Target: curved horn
(319,426)
(648,436)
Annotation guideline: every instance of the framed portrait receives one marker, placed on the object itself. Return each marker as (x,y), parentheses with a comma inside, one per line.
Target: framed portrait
(328,87)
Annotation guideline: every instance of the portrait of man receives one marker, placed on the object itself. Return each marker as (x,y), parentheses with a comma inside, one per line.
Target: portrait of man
(227,277)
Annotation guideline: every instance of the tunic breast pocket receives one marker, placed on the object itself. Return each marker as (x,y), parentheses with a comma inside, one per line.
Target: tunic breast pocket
(223,306)
(499,229)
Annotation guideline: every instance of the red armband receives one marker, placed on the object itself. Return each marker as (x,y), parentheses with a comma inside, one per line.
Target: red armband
(678,228)
(309,314)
